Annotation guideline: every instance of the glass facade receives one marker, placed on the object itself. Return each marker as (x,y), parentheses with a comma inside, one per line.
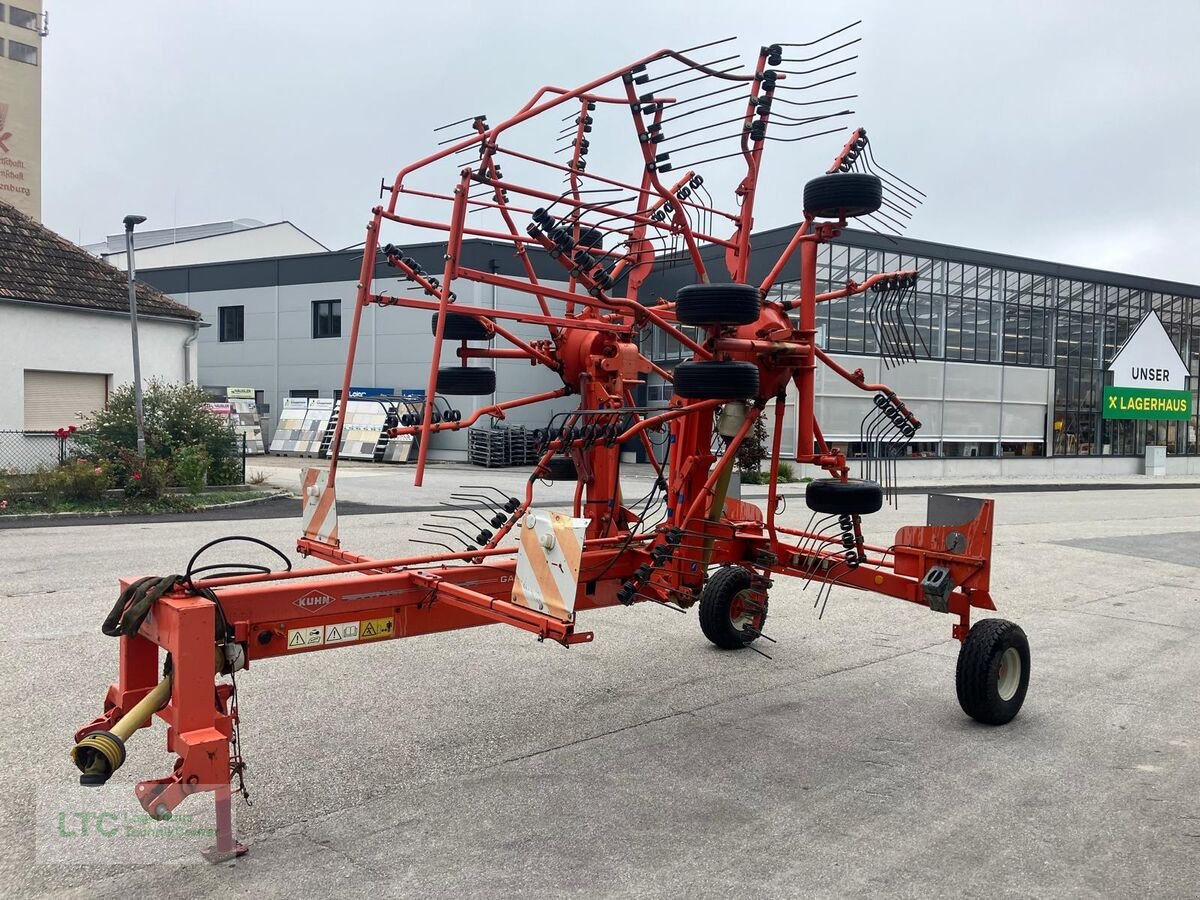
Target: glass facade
(1002,315)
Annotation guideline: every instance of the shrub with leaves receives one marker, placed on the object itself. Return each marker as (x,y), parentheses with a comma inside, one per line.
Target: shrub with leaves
(175,418)
(147,478)
(753,449)
(191,468)
(77,480)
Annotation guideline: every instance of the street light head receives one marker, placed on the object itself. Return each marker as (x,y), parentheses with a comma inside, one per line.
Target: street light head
(130,221)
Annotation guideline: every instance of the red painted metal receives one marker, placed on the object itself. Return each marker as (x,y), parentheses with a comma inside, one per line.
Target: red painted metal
(592,342)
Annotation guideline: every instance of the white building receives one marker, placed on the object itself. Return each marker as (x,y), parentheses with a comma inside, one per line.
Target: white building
(65,336)
(1012,353)
(282,325)
(192,245)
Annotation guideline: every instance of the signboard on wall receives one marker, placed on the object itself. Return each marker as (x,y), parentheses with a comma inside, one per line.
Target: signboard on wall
(357,393)
(239,393)
(1149,377)
(21,139)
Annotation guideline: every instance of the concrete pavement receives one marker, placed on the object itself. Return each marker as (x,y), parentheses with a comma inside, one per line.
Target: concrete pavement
(650,764)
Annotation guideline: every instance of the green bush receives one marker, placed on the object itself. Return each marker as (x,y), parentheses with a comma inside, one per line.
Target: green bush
(77,480)
(786,472)
(175,419)
(225,471)
(147,478)
(191,468)
(752,450)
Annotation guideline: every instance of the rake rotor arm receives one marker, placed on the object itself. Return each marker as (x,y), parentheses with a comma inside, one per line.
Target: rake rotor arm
(802,234)
(496,410)
(535,108)
(853,287)
(482,312)
(857,377)
(680,219)
(489,168)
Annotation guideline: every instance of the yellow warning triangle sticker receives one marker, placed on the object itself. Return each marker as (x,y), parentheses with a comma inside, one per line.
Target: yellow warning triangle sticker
(369,631)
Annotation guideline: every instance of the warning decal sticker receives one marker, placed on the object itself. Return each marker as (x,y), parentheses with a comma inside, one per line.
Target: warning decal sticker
(313,636)
(371,629)
(341,632)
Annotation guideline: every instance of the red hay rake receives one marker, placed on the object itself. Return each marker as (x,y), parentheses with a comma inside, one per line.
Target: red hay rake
(535,570)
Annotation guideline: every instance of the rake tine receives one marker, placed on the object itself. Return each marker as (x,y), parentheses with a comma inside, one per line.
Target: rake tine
(757,633)
(871,154)
(824,37)
(760,652)
(828,65)
(822,53)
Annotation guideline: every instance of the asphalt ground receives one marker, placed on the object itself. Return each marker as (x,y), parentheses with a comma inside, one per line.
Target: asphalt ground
(648,763)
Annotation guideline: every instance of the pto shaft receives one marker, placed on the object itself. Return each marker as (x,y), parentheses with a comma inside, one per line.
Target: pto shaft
(101,753)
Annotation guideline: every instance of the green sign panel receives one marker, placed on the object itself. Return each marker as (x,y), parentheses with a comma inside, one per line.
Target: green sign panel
(1146,403)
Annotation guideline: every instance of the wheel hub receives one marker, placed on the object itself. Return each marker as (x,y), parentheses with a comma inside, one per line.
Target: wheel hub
(742,613)
(1009,676)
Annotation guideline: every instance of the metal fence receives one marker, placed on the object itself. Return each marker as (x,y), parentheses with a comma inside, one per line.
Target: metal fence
(25,452)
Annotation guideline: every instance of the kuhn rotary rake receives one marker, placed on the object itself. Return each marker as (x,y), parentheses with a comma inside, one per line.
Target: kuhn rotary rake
(536,570)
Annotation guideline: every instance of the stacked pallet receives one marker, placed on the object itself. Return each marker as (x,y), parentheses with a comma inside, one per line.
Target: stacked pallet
(499,446)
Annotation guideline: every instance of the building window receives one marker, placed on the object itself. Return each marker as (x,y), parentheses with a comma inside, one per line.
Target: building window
(304,393)
(231,323)
(327,318)
(22,53)
(23,18)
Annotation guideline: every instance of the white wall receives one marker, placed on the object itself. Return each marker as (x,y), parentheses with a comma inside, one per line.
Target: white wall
(279,353)
(61,339)
(280,239)
(955,401)
(973,469)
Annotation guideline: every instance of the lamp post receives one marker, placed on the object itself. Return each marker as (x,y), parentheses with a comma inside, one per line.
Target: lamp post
(130,222)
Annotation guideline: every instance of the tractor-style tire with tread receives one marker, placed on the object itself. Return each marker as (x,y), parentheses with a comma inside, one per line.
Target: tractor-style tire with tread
(461,327)
(843,195)
(464,381)
(590,238)
(831,496)
(989,690)
(712,380)
(718,304)
(561,468)
(720,611)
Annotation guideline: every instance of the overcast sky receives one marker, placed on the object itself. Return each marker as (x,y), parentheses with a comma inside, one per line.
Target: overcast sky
(1060,130)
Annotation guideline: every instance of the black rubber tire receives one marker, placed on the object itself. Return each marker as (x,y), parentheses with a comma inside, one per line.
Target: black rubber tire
(561,468)
(977,676)
(718,304)
(844,195)
(710,380)
(717,608)
(466,382)
(833,497)
(590,237)
(460,327)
